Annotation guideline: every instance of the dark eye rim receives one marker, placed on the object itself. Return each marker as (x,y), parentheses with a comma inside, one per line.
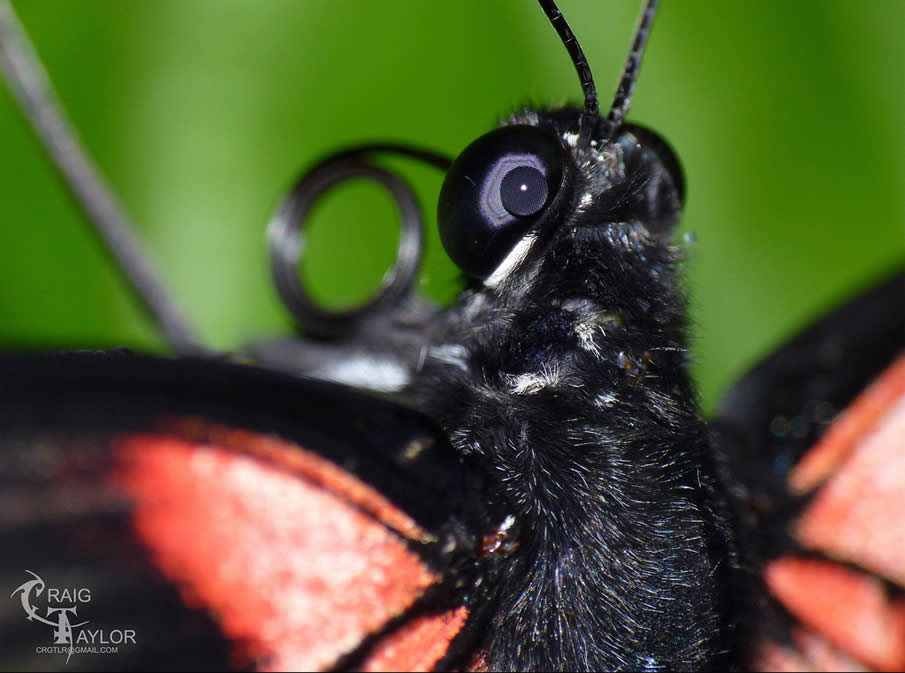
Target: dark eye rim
(474,239)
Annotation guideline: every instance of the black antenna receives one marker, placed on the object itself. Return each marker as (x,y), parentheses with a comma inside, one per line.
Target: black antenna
(29,82)
(591,108)
(622,101)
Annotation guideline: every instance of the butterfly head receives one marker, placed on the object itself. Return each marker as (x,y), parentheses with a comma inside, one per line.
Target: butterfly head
(514,191)
(540,176)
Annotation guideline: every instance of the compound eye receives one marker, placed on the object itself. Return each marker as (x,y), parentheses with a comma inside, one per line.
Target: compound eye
(498,189)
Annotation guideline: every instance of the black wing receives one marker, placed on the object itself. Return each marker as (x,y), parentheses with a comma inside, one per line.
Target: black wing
(175,489)
(782,406)
(821,549)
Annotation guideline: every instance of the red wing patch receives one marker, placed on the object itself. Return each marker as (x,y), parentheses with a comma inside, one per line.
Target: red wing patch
(859,515)
(849,608)
(847,431)
(849,602)
(297,560)
(418,645)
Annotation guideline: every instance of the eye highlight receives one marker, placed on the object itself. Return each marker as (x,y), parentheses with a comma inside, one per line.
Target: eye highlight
(496,191)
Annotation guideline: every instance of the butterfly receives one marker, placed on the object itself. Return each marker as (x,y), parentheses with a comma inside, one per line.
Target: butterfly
(655,646)
(750,227)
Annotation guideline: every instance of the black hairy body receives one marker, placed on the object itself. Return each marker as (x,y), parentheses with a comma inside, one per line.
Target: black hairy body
(566,383)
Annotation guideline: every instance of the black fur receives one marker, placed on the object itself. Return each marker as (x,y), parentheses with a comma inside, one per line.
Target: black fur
(566,384)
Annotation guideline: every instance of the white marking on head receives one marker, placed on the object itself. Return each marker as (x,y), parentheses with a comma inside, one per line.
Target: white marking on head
(512,260)
(571,139)
(366,371)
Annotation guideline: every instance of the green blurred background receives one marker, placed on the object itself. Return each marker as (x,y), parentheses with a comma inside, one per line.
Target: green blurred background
(789,118)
